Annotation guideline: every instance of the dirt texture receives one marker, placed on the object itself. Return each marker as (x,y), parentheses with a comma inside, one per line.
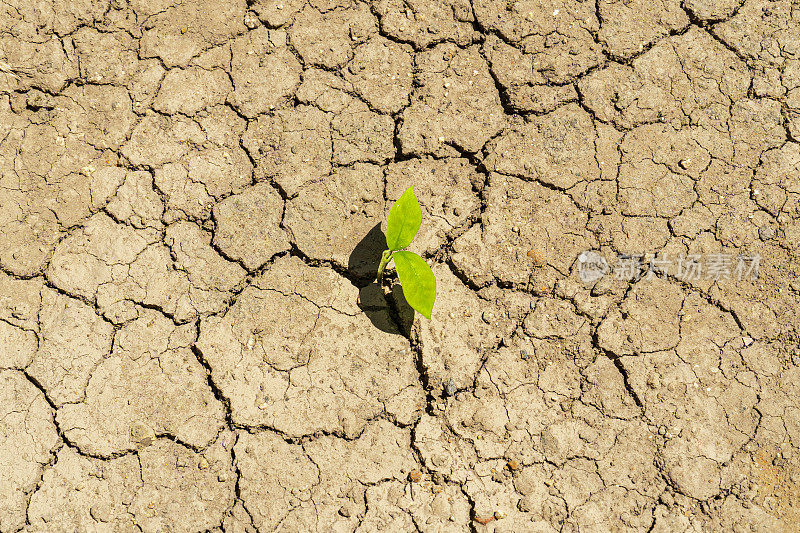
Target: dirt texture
(192,207)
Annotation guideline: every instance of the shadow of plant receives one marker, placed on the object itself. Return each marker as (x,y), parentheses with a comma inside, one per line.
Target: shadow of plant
(366,256)
(404,313)
(387,312)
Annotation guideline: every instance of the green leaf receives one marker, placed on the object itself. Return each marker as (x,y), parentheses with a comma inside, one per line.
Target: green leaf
(418,281)
(403,221)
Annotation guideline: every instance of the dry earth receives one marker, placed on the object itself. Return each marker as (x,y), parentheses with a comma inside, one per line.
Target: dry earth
(190,204)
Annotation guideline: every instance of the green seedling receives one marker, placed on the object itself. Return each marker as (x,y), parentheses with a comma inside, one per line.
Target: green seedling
(416,277)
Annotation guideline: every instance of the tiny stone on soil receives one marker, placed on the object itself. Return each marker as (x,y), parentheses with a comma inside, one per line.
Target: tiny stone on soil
(450,388)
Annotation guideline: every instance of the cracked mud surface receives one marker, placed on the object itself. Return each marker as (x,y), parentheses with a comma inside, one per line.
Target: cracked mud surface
(191,200)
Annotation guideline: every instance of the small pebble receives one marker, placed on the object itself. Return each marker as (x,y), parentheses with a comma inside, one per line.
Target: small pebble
(101,511)
(415,476)
(766,233)
(250,20)
(450,388)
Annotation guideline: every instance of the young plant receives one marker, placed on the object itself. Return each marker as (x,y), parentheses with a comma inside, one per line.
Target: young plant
(416,277)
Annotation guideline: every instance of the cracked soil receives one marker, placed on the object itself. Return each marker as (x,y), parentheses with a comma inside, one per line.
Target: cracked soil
(191,200)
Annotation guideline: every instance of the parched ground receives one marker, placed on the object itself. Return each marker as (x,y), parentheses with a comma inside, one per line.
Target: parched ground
(191,196)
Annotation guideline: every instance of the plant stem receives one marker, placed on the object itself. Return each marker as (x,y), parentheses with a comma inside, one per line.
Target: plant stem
(385,258)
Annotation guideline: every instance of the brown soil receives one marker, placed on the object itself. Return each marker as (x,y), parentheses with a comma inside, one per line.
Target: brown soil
(191,200)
